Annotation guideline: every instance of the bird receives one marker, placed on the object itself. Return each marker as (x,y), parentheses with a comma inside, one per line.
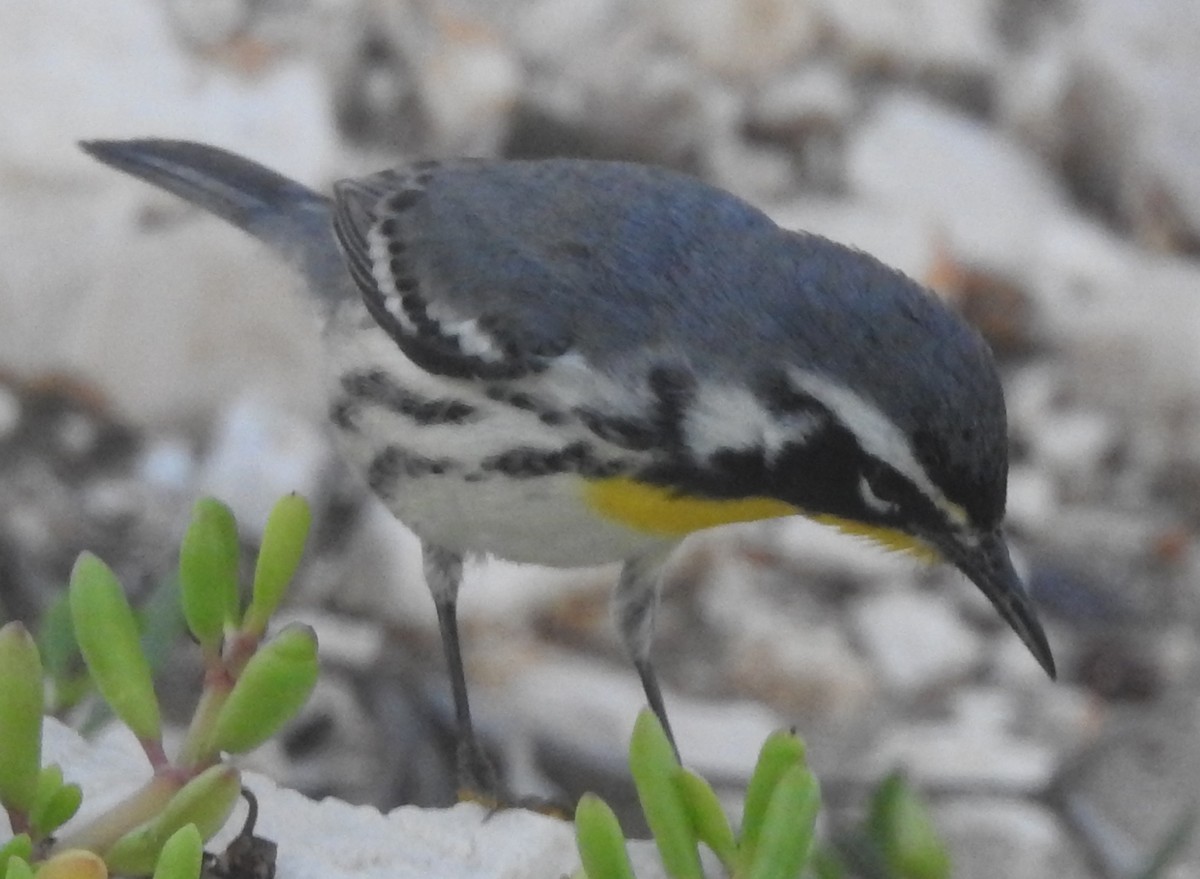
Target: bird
(571,362)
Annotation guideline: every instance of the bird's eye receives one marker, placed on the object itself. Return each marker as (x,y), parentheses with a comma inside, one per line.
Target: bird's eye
(882,490)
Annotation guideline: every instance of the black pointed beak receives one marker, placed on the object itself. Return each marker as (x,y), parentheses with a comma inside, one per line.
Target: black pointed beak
(989,566)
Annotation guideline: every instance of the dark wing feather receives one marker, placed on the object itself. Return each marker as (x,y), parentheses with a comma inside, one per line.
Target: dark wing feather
(373,225)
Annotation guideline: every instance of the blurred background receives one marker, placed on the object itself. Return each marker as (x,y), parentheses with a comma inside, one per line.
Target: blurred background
(1036,162)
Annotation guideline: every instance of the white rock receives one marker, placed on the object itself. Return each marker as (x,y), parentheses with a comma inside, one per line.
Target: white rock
(599,69)
(997,838)
(260,454)
(334,840)
(168,462)
(183,322)
(1030,394)
(915,641)
(987,195)
(737,38)
(816,670)
(1072,445)
(593,707)
(817,96)
(921,34)
(75,70)
(501,593)
(1125,109)
(84,291)
(1032,498)
(440,78)
(783,646)
(1133,339)
(960,757)
(747,170)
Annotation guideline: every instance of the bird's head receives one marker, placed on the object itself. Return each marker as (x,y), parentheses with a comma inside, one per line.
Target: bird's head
(868,404)
(901,436)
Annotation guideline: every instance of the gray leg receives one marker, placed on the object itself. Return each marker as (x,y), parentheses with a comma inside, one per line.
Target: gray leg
(443,572)
(635,605)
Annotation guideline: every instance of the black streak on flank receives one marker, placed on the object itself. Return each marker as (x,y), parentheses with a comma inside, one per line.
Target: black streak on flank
(342,412)
(527,403)
(375,386)
(527,463)
(627,433)
(395,463)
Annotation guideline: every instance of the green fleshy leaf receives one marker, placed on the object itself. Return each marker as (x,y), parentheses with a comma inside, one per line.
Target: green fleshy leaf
(600,841)
(56,641)
(55,804)
(786,839)
(273,686)
(206,801)
(108,638)
(208,572)
(708,818)
(19,847)
(18,868)
(61,658)
(654,767)
(182,855)
(900,826)
(780,752)
(278,557)
(21,705)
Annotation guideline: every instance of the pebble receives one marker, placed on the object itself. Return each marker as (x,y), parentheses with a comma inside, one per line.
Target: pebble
(1032,498)
(953,38)
(734,38)
(1010,193)
(957,756)
(1072,446)
(914,641)
(998,838)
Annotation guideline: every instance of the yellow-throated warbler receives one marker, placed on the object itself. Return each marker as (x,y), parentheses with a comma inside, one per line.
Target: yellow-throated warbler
(572,362)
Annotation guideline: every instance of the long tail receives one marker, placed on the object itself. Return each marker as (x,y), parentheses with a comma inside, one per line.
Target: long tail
(289,217)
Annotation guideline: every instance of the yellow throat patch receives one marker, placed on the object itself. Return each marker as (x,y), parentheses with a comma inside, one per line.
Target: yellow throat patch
(653,509)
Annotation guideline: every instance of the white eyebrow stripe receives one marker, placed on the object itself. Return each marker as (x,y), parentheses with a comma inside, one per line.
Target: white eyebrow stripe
(876,434)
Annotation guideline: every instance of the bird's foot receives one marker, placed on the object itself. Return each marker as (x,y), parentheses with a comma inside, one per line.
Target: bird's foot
(479,783)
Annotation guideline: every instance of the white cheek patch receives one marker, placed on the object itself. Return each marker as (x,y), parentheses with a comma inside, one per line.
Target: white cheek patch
(876,434)
(731,417)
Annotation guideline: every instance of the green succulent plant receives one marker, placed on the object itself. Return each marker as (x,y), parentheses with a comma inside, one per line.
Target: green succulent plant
(253,684)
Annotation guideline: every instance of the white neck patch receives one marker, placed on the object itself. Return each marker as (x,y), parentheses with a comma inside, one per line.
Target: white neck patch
(732,417)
